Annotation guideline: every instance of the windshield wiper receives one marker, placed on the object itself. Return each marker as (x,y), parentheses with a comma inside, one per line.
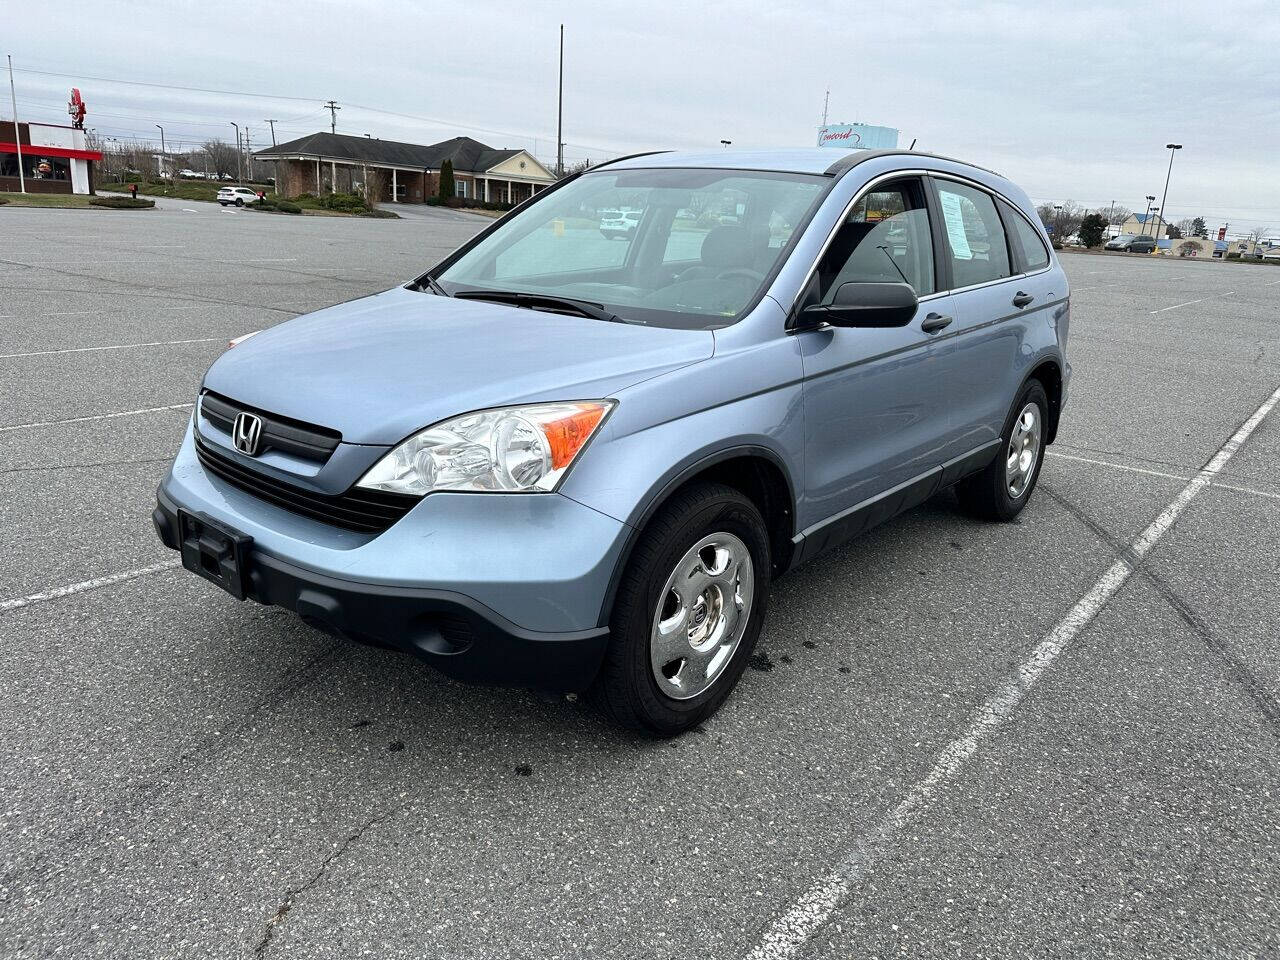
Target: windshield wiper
(543,301)
(429,282)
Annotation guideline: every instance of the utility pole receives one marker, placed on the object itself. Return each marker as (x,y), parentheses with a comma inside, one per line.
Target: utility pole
(273,131)
(1111,219)
(826,101)
(248,155)
(333,109)
(239,177)
(559,112)
(22,180)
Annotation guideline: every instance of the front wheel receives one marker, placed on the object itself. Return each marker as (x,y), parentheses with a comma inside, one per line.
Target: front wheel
(688,612)
(239,202)
(1001,490)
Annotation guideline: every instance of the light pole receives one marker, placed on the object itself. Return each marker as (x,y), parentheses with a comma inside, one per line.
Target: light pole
(1057,222)
(239,178)
(1150,201)
(162,152)
(726,143)
(1172,148)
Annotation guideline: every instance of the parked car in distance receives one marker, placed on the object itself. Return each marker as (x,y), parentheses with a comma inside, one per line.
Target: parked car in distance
(237,195)
(549,462)
(619,223)
(1132,243)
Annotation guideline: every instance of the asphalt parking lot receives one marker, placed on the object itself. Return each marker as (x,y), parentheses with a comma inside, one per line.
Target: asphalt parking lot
(908,771)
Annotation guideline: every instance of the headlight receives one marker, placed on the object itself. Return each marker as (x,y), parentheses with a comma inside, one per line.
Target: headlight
(511,449)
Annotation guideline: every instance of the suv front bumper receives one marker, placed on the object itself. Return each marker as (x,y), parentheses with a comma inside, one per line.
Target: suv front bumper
(487,588)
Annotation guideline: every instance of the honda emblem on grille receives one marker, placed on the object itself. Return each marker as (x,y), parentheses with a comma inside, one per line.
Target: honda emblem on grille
(246,432)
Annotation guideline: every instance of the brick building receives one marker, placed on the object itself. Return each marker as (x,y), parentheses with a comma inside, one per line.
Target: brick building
(404,172)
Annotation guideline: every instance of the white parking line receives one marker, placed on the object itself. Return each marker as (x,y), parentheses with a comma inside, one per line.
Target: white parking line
(1157,473)
(115,346)
(1117,466)
(787,935)
(98,416)
(58,592)
(1217,296)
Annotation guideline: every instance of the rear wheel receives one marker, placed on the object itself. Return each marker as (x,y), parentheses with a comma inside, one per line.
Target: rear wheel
(239,202)
(688,612)
(1001,490)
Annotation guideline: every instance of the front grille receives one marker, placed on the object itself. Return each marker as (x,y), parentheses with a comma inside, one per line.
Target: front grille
(357,509)
(285,434)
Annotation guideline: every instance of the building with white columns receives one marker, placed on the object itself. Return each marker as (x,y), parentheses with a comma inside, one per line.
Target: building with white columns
(404,172)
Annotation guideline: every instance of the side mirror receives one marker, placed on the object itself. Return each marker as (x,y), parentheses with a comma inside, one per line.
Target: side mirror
(866,305)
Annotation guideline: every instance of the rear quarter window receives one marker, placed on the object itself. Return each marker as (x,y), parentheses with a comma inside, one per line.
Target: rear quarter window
(1026,238)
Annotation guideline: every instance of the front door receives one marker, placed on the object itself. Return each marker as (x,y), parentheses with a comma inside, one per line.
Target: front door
(874,414)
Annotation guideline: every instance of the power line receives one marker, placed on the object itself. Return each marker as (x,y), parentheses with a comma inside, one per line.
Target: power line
(438,121)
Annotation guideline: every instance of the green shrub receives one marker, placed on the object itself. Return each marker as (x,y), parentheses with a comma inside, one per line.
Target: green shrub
(446,180)
(121,203)
(284,206)
(343,202)
(3,200)
(1233,255)
(434,201)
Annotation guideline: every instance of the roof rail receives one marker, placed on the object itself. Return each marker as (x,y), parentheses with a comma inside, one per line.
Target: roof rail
(849,161)
(629,156)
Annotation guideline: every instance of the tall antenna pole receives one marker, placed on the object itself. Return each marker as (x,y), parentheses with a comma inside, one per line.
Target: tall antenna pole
(559,112)
(825,103)
(272,123)
(333,109)
(22,181)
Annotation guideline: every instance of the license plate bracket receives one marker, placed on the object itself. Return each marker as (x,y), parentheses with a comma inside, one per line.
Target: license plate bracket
(214,551)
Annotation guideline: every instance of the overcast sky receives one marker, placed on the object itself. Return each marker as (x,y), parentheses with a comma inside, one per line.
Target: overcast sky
(1071,100)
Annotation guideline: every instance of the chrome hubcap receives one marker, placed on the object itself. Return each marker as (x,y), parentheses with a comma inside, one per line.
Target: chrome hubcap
(702,615)
(1024,451)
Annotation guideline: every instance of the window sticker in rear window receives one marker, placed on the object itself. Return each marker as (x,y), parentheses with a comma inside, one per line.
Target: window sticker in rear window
(953,215)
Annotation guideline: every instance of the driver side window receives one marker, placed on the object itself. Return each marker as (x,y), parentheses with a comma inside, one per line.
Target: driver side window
(885,239)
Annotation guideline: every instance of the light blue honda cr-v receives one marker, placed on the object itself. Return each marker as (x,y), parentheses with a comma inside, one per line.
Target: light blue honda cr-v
(564,461)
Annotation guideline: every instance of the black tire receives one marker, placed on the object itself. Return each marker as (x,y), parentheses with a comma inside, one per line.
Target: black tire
(222,203)
(986,494)
(625,688)
(239,202)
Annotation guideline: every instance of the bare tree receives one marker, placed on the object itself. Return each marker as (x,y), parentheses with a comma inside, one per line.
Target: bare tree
(1062,219)
(222,157)
(1257,235)
(1118,215)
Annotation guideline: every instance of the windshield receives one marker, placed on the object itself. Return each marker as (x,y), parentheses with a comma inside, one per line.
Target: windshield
(688,248)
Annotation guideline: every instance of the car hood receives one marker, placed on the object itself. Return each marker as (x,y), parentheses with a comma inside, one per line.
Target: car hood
(383,367)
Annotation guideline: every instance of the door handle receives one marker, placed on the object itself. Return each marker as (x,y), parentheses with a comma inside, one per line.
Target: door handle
(1021,299)
(935,322)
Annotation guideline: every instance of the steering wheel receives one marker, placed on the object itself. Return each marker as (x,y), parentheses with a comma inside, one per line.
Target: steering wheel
(749,274)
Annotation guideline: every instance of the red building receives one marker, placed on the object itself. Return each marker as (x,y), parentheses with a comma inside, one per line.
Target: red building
(54,158)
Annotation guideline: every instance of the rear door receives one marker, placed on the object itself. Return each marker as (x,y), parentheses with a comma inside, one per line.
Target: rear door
(874,415)
(1001,283)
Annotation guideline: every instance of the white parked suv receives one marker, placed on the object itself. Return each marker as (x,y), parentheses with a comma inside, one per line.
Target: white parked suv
(619,223)
(237,195)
